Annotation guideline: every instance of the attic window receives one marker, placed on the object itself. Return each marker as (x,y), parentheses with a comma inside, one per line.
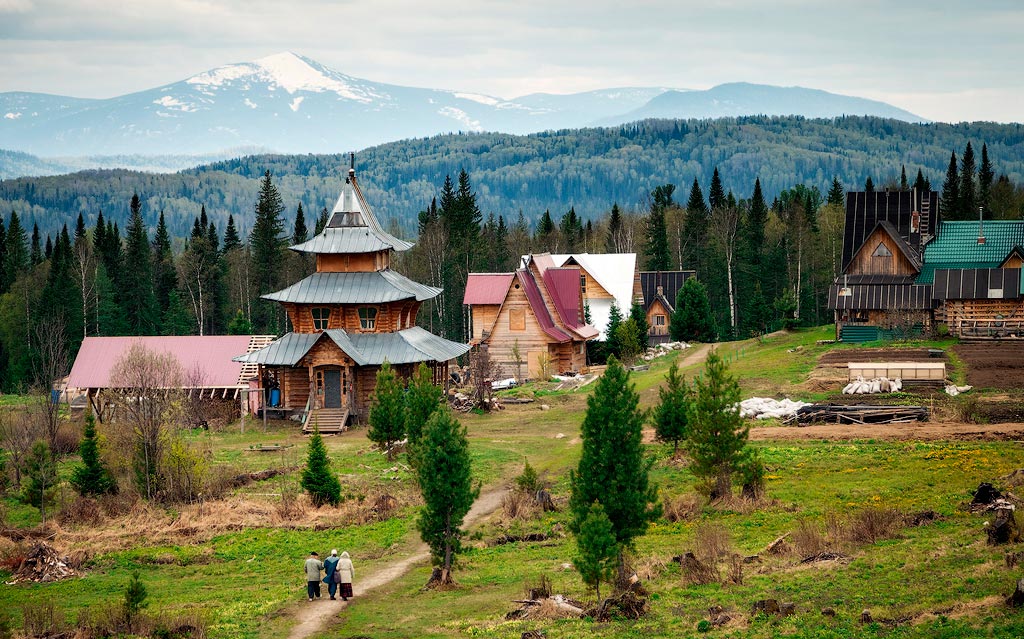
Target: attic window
(882,251)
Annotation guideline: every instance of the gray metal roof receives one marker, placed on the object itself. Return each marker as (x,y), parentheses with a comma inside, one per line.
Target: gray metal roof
(366,349)
(354,288)
(353,228)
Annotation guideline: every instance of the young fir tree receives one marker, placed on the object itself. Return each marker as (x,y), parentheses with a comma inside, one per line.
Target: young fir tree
(716,194)
(446,483)
(692,319)
(612,345)
(300,233)
(612,469)
(317,478)
(670,414)
(387,411)
(39,477)
(422,399)
(643,329)
(239,324)
(597,548)
(836,195)
(627,335)
(717,437)
(985,177)
(231,238)
(92,477)
(950,201)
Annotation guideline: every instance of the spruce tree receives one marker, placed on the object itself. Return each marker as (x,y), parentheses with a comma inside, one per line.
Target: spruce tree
(39,479)
(176,319)
(136,280)
(231,238)
(950,201)
(903,178)
(656,247)
(696,220)
(717,437)
(612,345)
(422,399)
(692,319)
(597,548)
(92,477)
(985,177)
(267,244)
(36,251)
(387,411)
(165,275)
(239,324)
(4,282)
(317,478)
(836,194)
(757,219)
(716,194)
(968,192)
(445,478)
(670,414)
(921,184)
(546,226)
(612,469)
(299,233)
(643,329)
(611,242)
(48,251)
(321,221)
(16,252)
(869,186)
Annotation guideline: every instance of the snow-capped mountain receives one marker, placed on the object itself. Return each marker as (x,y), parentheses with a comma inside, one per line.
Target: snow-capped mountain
(292,104)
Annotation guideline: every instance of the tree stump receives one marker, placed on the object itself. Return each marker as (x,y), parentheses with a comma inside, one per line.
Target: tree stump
(986,494)
(1016,600)
(766,606)
(1003,529)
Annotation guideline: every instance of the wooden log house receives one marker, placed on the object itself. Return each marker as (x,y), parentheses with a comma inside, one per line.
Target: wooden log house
(348,318)
(660,290)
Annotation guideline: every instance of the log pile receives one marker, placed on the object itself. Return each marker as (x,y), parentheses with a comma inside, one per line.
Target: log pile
(837,414)
(43,564)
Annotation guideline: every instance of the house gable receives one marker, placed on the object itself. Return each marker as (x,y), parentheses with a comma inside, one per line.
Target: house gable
(883,252)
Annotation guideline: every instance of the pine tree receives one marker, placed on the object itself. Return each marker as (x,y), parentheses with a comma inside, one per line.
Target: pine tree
(266,242)
(903,178)
(387,411)
(92,477)
(317,478)
(231,238)
(836,194)
(950,202)
(717,434)
(656,248)
(300,234)
(968,192)
(16,252)
(716,194)
(757,219)
(921,184)
(422,399)
(612,345)
(136,280)
(869,186)
(36,252)
(321,221)
(598,551)
(985,177)
(670,414)
(643,329)
(165,276)
(692,319)
(612,469)
(445,479)
(611,242)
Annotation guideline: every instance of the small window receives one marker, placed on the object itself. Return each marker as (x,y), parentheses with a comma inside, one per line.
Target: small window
(367,318)
(517,319)
(583,285)
(659,320)
(321,317)
(882,251)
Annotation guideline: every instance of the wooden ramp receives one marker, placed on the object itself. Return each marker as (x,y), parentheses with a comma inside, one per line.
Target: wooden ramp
(329,421)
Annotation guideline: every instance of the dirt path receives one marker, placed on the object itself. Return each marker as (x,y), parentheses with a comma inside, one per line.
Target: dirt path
(317,615)
(696,356)
(892,432)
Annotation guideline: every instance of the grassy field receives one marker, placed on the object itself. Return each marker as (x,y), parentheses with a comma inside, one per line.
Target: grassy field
(238,562)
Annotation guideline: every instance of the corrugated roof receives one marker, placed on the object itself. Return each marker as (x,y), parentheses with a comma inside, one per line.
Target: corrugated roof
(487,288)
(563,286)
(366,349)
(353,228)
(540,310)
(206,361)
(354,288)
(670,283)
(865,210)
(977,283)
(881,297)
(956,245)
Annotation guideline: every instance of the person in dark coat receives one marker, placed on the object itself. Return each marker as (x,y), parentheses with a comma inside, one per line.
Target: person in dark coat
(331,576)
(313,566)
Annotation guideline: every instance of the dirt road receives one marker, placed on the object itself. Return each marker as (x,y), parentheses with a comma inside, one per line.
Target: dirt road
(315,617)
(891,432)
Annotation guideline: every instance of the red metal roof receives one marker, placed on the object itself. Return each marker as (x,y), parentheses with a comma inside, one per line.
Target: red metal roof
(209,355)
(533,295)
(487,288)
(563,285)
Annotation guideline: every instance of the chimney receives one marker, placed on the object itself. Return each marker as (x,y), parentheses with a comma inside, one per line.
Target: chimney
(981,227)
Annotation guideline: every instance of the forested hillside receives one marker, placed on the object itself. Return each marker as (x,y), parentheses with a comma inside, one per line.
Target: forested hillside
(587,169)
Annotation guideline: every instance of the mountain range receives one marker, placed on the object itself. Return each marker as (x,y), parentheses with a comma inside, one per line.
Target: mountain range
(289,103)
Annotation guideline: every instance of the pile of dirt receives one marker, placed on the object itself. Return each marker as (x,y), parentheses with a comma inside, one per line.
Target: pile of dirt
(43,564)
(840,357)
(993,365)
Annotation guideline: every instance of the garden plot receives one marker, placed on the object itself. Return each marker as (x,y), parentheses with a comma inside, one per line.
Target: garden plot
(993,365)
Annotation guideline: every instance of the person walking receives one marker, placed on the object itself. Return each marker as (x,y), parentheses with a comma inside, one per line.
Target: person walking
(346,572)
(331,576)
(313,566)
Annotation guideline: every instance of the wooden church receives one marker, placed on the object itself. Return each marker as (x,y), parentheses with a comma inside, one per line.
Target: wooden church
(348,318)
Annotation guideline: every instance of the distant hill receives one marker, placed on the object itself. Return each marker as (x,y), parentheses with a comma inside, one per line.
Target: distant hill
(293,104)
(586,168)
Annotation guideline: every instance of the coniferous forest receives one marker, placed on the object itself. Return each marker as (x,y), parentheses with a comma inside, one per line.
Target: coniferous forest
(765,255)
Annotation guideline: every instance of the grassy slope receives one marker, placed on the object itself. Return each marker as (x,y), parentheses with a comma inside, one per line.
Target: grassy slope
(248,581)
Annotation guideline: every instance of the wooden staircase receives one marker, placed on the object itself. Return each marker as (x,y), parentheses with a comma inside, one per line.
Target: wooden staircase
(329,421)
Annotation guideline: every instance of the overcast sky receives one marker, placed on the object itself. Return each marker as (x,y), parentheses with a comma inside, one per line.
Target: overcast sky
(949,61)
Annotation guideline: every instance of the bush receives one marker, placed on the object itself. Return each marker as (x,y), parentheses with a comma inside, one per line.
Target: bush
(82,511)
(873,524)
(808,539)
(317,478)
(681,508)
(42,619)
(528,482)
(712,541)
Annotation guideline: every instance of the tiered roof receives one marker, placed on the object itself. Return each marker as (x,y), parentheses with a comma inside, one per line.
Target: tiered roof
(366,349)
(373,287)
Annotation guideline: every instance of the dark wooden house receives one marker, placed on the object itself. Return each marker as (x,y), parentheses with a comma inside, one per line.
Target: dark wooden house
(348,318)
(660,290)
(878,293)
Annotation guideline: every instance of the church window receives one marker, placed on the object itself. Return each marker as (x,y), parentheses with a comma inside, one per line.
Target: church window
(321,316)
(367,318)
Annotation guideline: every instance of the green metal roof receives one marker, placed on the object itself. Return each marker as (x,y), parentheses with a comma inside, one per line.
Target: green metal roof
(956,246)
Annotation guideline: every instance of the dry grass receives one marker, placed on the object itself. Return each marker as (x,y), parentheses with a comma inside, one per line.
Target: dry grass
(519,505)
(873,524)
(808,539)
(682,508)
(712,541)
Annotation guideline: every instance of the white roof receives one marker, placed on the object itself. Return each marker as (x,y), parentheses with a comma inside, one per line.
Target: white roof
(615,272)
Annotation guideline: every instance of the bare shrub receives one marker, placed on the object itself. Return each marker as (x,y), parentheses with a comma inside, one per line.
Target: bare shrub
(519,505)
(835,527)
(808,539)
(649,568)
(712,541)
(735,570)
(41,619)
(682,508)
(53,361)
(81,511)
(118,505)
(291,506)
(697,572)
(483,371)
(873,524)
(18,431)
